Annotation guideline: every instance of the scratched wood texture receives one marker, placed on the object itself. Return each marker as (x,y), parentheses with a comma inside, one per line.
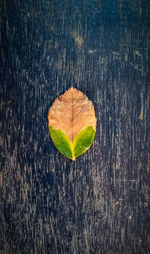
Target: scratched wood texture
(100,203)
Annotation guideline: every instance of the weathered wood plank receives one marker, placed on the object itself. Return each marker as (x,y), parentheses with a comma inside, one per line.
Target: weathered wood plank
(100,203)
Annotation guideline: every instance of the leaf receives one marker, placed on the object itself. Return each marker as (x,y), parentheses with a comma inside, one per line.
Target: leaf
(72,123)
(61,142)
(83,141)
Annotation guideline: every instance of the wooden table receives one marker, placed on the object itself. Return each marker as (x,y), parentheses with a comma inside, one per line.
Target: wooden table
(100,203)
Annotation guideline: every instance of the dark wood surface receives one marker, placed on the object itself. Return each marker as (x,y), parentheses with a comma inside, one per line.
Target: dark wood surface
(100,203)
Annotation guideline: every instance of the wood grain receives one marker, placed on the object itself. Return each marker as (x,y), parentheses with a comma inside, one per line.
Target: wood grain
(100,203)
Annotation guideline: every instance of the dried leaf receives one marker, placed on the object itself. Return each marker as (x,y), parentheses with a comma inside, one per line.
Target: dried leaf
(72,123)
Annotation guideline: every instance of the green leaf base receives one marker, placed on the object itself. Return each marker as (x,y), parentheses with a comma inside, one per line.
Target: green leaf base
(80,144)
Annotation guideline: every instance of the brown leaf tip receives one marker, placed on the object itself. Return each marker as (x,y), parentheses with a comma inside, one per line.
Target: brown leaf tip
(72,112)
